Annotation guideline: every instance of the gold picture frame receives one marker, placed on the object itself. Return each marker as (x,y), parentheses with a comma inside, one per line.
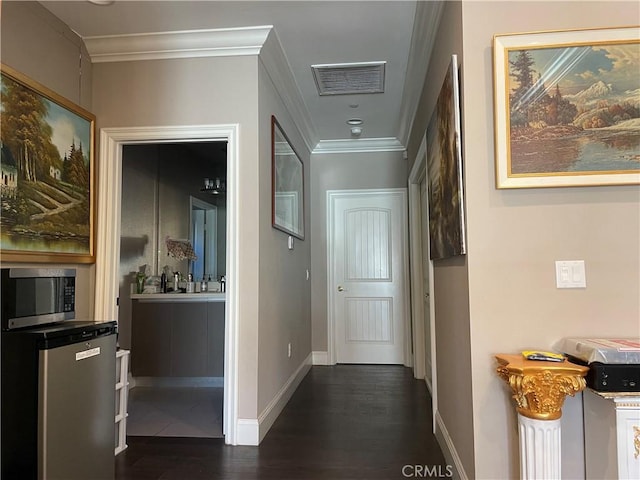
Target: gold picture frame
(566,108)
(48,175)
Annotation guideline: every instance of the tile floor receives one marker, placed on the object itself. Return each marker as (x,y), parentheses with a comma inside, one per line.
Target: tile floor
(175,412)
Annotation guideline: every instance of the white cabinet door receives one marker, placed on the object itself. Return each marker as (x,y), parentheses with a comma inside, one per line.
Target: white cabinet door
(612,435)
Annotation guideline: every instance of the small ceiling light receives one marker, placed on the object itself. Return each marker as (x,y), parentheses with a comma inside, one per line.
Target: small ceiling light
(101,2)
(354,121)
(356,131)
(214,187)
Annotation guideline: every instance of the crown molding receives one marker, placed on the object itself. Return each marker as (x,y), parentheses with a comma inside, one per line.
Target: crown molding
(279,71)
(360,145)
(179,44)
(425,28)
(262,41)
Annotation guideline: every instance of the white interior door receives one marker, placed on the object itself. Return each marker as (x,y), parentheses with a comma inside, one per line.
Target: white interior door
(426,282)
(367,280)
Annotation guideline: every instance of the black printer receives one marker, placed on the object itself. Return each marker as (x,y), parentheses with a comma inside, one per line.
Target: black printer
(614,364)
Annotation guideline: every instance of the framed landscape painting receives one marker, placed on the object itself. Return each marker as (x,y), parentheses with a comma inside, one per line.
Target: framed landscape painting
(567,108)
(444,171)
(47,177)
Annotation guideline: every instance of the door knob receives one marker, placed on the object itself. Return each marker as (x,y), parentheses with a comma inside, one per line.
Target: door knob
(340,288)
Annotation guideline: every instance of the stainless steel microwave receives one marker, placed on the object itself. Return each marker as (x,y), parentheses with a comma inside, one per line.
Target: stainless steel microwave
(37,296)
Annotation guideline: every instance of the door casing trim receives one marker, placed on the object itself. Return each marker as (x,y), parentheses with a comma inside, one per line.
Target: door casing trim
(416,174)
(112,141)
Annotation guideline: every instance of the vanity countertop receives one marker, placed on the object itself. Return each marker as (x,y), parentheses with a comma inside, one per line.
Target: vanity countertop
(180,297)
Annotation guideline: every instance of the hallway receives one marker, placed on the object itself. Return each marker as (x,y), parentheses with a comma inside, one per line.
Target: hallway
(343,422)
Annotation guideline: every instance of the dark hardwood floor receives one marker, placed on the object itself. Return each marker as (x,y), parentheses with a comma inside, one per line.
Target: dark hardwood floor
(343,422)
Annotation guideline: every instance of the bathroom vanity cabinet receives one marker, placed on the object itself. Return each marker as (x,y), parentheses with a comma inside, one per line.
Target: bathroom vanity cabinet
(177,335)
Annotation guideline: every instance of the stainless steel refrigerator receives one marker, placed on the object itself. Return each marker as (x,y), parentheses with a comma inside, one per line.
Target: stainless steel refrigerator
(58,402)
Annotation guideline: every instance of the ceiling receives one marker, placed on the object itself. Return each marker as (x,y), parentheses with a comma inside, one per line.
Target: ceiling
(310,33)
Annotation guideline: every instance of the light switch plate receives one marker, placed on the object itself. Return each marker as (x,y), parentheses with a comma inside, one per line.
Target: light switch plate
(570,274)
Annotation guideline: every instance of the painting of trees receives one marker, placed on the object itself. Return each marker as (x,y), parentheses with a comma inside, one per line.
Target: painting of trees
(567,108)
(46,196)
(24,130)
(530,103)
(521,95)
(74,169)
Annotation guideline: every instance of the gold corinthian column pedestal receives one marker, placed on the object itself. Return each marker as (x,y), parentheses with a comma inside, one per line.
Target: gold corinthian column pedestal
(539,389)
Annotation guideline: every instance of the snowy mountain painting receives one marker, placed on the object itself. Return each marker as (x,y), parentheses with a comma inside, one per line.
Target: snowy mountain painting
(574,110)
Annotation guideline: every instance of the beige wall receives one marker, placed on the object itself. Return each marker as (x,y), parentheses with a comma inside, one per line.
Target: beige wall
(450,276)
(38,45)
(285,293)
(502,297)
(341,171)
(201,91)
(515,236)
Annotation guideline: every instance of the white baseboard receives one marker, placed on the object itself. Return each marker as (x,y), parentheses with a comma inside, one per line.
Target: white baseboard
(449,449)
(320,358)
(247,432)
(251,431)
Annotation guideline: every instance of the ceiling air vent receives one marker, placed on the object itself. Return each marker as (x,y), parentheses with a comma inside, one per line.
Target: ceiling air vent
(349,78)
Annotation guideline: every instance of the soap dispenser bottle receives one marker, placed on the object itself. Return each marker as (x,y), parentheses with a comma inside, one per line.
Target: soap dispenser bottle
(223,286)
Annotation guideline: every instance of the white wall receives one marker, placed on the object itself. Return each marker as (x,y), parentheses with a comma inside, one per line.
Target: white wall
(515,236)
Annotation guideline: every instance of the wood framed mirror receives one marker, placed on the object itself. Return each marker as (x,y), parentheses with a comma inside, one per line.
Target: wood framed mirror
(287,171)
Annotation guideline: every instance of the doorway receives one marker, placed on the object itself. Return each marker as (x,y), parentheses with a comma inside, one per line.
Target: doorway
(112,141)
(422,306)
(165,195)
(368,265)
